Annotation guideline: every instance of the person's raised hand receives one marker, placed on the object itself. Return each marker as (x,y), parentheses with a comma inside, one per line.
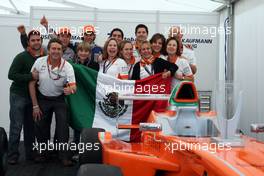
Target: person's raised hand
(44,21)
(21,29)
(166,74)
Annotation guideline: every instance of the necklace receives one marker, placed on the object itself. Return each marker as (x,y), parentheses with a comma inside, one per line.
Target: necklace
(58,72)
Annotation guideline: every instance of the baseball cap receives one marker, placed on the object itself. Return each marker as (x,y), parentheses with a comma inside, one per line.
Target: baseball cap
(33,32)
(64,30)
(88,29)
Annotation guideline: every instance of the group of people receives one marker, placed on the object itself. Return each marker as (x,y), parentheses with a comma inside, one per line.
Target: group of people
(42,76)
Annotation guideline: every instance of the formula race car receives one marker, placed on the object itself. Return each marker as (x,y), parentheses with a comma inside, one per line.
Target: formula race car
(177,142)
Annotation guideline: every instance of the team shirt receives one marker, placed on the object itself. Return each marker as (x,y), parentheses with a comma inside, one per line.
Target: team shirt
(160,56)
(117,68)
(51,81)
(130,66)
(146,71)
(189,54)
(68,54)
(184,69)
(136,53)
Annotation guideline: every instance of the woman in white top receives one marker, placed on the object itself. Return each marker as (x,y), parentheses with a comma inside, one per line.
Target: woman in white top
(184,71)
(112,64)
(126,53)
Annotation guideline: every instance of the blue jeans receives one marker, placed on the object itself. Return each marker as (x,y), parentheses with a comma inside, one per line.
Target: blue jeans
(20,116)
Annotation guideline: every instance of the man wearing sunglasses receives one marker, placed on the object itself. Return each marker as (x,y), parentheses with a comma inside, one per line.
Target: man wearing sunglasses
(56,79)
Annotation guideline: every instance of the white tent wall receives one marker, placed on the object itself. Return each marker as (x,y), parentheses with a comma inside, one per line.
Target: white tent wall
(10,47)
(106,20)
(157,21)
(249,60)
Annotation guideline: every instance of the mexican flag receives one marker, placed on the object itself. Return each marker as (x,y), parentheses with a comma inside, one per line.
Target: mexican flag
(95,103)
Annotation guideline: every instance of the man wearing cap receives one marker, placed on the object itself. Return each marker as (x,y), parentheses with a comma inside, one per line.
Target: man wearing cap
(56,79)
(64,34)
(89,35)
(187,51)
(20,104)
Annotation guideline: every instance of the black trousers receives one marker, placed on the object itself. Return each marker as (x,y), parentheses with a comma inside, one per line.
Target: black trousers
(57,105)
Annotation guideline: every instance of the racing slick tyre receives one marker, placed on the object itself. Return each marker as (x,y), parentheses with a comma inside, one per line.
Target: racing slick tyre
(99,169)
(92,152)
(3,151)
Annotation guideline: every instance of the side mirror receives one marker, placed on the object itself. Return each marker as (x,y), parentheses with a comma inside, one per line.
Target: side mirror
(154,127)
(257,128)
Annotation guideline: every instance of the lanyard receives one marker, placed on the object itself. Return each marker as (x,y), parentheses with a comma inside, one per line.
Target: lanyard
(106,67)
(148,71)
(58,73)
(130,69)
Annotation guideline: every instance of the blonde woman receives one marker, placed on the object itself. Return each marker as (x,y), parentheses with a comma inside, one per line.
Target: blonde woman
(149,65)
(126,53)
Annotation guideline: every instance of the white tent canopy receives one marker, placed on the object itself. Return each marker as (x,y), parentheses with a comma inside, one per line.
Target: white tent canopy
(23,6)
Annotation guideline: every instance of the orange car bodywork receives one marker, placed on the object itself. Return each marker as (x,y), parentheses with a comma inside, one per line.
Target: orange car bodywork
(165,155)
(158,154)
